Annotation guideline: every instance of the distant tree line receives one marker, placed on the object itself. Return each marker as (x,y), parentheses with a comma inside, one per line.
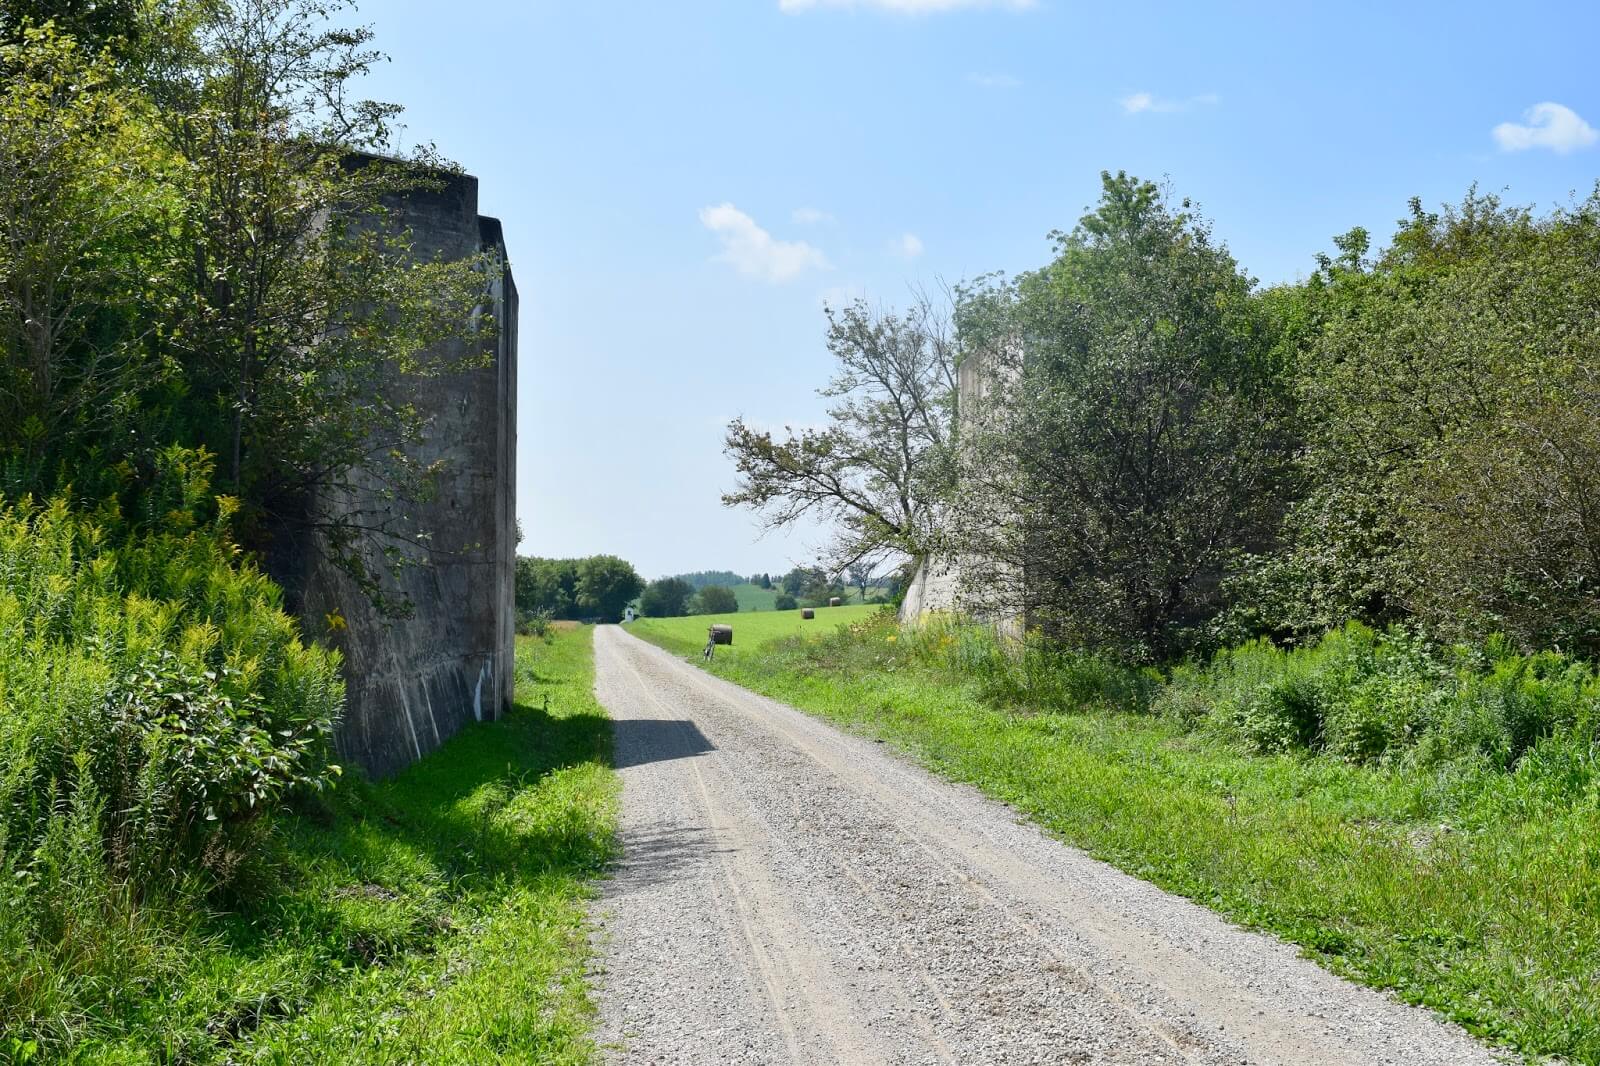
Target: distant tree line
(699,579)
(1164,457)
(595,588)
(714,591)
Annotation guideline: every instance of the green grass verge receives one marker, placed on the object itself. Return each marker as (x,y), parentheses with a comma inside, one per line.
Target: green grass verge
(437,917)
(1475,894)
(750,631)
(754,598)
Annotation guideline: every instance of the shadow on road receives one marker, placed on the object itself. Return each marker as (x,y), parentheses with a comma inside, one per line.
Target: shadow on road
(656,857)
(647,740)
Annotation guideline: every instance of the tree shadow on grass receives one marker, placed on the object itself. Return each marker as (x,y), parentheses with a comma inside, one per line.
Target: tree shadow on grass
(367,873)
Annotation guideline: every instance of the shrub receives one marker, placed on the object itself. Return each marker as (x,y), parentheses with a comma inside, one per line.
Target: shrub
(158,701)
(533,623)
(715,599)
(1365,696)
(784,602)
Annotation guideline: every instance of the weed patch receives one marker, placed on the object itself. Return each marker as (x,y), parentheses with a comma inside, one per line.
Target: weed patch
(436,917)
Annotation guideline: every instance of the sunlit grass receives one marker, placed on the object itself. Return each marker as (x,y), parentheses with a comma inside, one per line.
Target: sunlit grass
(434,918)
(750,631)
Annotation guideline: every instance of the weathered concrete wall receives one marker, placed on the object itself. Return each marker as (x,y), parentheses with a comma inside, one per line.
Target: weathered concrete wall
(941,584)
(413,682)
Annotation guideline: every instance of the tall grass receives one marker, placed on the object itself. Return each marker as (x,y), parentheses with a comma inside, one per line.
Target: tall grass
(156,700)
(1357,695)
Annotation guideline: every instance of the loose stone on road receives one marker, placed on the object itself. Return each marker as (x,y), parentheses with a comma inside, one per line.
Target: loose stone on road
(789,893)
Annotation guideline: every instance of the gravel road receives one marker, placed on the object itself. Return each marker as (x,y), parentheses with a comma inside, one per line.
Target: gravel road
(788,893)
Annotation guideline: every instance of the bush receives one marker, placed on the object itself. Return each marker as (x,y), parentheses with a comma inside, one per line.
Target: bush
(784,602)
(1364,696)
(666,597)
(715,599)
(533,623)
(158,701)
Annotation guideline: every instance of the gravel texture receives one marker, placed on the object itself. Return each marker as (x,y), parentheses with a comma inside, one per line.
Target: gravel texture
(789,893)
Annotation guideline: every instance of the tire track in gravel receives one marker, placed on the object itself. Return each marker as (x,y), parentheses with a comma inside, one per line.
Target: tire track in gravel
(789,893)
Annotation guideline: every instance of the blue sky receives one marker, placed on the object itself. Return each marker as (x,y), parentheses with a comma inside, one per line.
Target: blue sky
(683,184)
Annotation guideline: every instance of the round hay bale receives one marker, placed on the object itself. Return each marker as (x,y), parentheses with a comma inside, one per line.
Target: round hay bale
(834,601)
(721,634)
(807,613)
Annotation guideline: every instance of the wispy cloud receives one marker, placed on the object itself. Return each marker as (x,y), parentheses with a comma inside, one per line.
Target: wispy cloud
(906,246)
(1548,125)
(995,81)
(1141,103)
(809,216)
(755,252)
(904,7)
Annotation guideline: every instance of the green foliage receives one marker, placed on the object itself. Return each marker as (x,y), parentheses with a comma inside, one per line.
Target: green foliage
(1364,696)
(406,920)
(784,602)
(533,623)
(606,585)
(158,704)
(547,586)
(880,469)
(666,597)
(715,599)
(96,24)
(1448,399)
(1129,436)
(699,579)
(599,586)
(83,204)
(196,253)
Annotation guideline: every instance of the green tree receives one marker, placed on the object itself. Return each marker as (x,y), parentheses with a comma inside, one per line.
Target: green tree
(95,24)
(794,581)
(84,216)
(880,471)
(295,311)
(715,599)
(1451,412)
(547,586)
(606,585)
(1129,435)
(666,597)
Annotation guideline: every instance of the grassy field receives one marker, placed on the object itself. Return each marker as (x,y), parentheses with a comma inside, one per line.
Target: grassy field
(1474,893)
(755,598)
(750,631)
(437,917)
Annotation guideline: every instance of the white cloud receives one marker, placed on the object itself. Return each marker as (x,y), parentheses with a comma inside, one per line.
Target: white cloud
(1138,103)
(754,251)
(809,216)
(1549,125)
(904,7)
(906,246)
(995,81)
